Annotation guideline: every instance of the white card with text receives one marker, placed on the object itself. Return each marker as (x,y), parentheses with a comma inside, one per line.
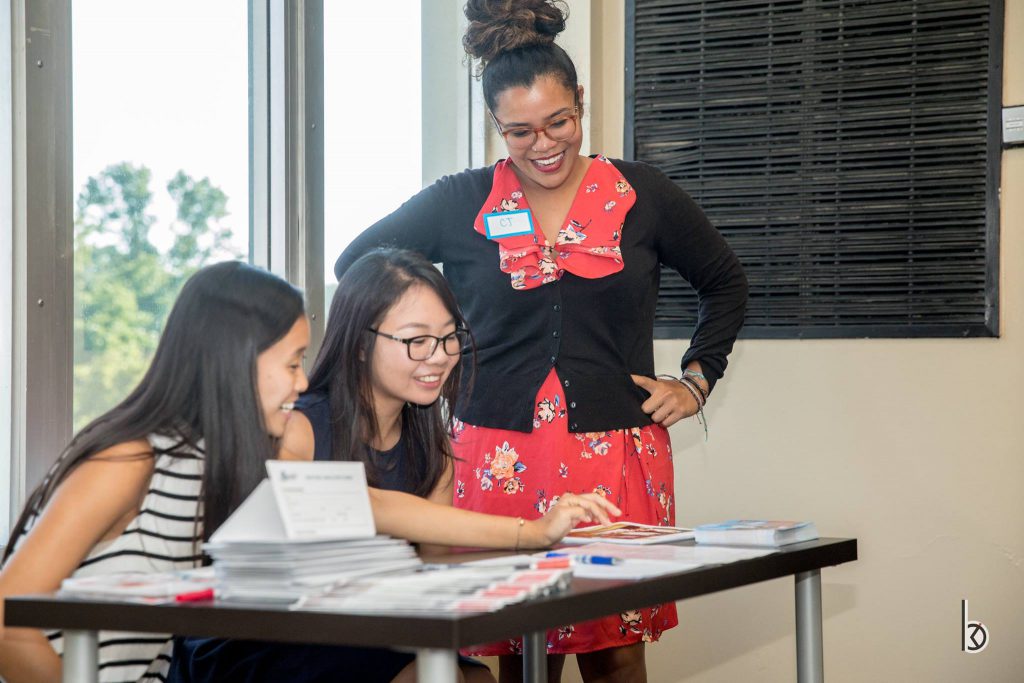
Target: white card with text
(322,500)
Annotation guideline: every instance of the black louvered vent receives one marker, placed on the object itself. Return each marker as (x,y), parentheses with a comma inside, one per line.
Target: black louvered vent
(848,150)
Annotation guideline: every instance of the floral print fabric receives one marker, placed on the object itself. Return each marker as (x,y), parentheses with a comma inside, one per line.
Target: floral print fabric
(523,474)
(587,244)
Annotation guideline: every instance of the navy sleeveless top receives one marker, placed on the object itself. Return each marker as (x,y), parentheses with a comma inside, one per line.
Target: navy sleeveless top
(393,469)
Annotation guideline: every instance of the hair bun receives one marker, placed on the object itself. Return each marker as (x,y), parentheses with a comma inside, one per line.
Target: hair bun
(497,26)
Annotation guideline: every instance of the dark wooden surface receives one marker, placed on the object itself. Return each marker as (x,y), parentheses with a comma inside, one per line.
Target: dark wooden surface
(587,599)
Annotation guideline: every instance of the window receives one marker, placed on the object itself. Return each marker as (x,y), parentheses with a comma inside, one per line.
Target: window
(847,149)
(372,119)
(160,108)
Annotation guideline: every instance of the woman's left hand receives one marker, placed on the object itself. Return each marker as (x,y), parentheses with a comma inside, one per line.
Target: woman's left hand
(669,400)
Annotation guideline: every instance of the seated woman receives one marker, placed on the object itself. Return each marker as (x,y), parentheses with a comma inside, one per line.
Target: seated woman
(143,485)
(391,350)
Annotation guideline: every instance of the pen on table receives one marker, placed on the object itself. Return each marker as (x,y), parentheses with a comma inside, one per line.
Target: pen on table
(587,559)
(195,596)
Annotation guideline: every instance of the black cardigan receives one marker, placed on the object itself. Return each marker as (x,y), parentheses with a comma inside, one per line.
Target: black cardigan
(594,332)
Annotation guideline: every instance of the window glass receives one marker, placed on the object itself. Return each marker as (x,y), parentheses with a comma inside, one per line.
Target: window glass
(160,173)
(372,118)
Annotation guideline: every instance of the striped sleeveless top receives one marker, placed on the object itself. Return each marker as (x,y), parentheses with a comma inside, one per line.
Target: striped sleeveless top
(160,539)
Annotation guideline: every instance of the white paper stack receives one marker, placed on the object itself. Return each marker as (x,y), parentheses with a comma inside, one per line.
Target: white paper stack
(305,529)
(450,589)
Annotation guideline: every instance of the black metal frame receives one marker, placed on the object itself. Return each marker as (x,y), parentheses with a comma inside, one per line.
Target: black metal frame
(992,244)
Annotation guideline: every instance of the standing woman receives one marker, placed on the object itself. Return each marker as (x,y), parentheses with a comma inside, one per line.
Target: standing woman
(555,260)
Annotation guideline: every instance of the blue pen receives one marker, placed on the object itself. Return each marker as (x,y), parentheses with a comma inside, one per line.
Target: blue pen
(586,559)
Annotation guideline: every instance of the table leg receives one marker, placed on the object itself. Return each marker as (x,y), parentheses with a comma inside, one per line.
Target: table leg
(810,661)
(535,657)
(81,661)
(436,666)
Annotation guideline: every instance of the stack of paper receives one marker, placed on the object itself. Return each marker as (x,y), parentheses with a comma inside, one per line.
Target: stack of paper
(287,570)
(458,589)
(305,529)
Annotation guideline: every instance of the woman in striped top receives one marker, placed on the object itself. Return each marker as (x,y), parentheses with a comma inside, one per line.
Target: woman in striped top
(128,493)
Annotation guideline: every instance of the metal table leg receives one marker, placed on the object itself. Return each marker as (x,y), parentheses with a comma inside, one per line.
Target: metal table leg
(810,660)
(81,661)
(535,657)
(436,666)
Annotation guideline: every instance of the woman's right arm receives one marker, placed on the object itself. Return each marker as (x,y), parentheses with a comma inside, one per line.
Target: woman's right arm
(95,501)
(417,225)
(435,521)
(419,520)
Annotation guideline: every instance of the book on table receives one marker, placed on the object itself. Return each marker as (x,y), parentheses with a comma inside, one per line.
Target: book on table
(760,532)
(629,533)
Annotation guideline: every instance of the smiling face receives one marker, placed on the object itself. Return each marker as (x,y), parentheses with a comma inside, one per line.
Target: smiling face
(394,378)
(280,377)
(546,164)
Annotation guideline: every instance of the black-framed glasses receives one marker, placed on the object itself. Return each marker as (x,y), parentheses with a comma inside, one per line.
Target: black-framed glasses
(559,130)
(422,346)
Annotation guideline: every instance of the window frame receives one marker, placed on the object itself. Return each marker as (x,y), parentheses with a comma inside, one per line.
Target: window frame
(286,148)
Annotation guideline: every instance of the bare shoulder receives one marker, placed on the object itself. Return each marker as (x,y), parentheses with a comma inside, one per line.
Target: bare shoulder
(298,442)
(123,470)
(93,502)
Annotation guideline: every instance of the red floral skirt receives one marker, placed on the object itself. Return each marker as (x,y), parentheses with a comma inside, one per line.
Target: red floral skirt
(522,474)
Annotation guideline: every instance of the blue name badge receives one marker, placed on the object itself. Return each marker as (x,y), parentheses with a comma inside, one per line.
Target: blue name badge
(508,224)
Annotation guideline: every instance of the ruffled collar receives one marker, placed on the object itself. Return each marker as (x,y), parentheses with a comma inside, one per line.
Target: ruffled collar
(587,244)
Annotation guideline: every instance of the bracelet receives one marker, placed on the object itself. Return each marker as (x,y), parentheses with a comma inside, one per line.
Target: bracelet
(694,373)
(519,527)
(688,381)
(697,396)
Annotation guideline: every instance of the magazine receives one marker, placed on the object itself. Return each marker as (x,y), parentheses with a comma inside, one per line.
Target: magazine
(630,533)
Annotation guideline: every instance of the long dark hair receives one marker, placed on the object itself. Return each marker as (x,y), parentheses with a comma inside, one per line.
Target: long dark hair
(200,389)
(515,43)
(342,370)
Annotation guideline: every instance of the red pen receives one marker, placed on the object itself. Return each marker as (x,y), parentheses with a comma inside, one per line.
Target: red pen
(195,596)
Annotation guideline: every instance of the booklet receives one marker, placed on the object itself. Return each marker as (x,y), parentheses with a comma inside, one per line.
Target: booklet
(630,533)
(759,532)
(144,587)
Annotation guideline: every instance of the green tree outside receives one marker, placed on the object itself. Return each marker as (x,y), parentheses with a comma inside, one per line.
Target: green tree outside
(125,284)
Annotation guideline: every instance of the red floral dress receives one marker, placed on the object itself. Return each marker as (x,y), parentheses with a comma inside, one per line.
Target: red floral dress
(522,474)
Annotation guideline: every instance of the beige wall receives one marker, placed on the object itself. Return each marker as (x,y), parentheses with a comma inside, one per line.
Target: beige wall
(916,447)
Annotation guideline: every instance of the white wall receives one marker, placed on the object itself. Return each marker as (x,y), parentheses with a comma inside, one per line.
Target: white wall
(915,447)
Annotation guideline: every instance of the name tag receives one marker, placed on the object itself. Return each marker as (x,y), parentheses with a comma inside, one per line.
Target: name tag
(508,224)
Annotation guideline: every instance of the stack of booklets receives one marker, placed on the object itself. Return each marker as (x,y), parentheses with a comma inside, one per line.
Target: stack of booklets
(758,532)
(287,570)
(306,528)
(448,589)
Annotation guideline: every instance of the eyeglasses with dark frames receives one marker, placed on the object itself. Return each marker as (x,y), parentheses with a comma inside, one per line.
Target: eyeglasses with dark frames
(559,130)
(423,346)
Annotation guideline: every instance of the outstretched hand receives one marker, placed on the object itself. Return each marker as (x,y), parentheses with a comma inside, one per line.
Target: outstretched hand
(669,402)
(570,510)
